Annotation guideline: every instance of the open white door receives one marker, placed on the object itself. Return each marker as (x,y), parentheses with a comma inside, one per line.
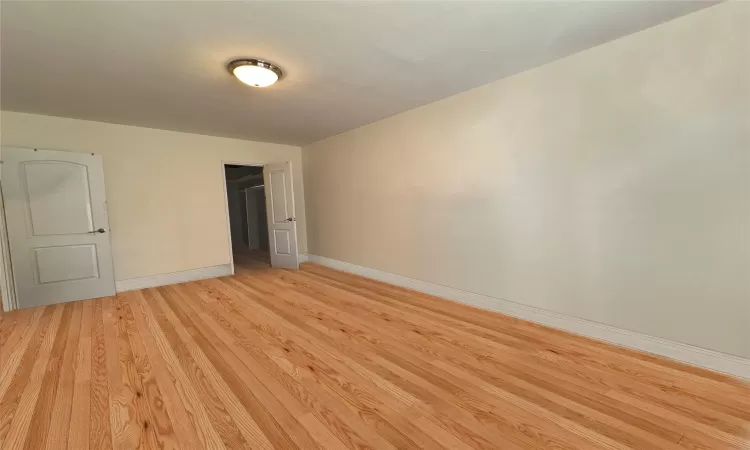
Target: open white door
(56,215)
(282,225)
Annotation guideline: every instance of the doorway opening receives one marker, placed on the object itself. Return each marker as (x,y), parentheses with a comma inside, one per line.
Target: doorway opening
(248,224)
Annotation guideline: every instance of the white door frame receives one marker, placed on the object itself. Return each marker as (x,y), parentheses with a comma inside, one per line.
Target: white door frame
(7,283)
(226,201)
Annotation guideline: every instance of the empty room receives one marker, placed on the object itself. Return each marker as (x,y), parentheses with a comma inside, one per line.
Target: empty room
(375,224)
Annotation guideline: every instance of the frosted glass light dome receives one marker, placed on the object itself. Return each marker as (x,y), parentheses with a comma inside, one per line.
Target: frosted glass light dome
(254,72)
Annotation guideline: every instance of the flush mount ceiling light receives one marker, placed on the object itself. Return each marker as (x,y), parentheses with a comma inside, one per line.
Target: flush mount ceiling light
(254,72)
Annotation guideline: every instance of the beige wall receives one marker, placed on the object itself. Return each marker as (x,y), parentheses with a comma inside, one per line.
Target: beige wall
(613,185)
(164,189)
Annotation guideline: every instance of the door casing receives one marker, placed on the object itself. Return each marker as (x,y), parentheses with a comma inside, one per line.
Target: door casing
(226,203)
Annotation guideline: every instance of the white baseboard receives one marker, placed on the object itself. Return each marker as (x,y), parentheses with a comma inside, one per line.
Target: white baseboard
(303,257)
(690,354)
(173,278)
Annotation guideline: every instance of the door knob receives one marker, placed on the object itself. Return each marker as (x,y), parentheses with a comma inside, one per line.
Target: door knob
(100,230)
(290,219)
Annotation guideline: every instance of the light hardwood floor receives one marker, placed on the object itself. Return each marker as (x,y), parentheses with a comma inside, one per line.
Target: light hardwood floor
(321,359)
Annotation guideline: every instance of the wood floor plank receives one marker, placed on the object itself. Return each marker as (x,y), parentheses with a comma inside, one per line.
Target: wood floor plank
(27,400)
(59,425)
(294,342)
(375,422)
(187,393)
(220,419)
(151,428)
(16,373)
(126,432)
(12,359)
(465,362)
(226,392)
(100,431)
(276,419)
(50,384)
(509,413)
(337,374)
(315,397)
(320,359)
(183,426)
(144,380)
(78,436)
(12,329)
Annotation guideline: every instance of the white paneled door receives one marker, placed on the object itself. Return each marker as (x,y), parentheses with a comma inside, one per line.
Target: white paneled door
(56,214)
(282,224)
